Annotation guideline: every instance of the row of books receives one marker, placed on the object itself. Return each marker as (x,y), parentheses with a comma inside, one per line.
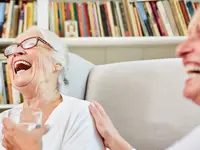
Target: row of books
(8,94)
(121,18)
(16,16)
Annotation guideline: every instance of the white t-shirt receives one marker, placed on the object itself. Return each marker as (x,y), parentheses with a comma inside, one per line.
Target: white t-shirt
(71,127)
(189,142)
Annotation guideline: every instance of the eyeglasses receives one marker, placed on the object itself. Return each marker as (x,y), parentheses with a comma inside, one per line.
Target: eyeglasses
(26,44)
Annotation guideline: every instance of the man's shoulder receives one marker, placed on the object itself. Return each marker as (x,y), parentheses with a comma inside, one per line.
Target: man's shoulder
(189,141)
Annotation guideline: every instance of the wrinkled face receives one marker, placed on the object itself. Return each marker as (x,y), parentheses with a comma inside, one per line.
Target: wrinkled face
(189,51)
(30,67)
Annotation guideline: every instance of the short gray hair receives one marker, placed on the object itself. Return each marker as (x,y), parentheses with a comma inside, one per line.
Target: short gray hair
(60,54)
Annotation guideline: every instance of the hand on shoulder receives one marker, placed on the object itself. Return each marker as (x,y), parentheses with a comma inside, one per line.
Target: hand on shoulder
(106,129)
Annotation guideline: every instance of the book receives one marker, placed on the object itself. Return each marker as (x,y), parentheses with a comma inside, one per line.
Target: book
(99,19)
(4,88)
(125,18)
(119,16)
(164,18)
(132,18)
(8,93)
(171,17)
(152,19)
(104,20)
(124,21)
(143,18)
(2,16)
(190,7)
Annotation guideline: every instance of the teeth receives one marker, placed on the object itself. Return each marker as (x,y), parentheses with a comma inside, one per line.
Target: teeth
(21,62)
(20,71)
(190,68)
(192,75)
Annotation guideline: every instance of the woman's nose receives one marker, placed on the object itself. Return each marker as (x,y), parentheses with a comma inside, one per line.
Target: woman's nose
(19,51)
(184,49)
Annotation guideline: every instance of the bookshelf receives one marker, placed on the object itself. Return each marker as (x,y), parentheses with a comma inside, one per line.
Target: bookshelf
(6,41)
(43,19)
(102,50)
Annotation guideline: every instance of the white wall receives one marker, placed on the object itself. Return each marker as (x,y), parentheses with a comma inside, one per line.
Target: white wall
(103,55)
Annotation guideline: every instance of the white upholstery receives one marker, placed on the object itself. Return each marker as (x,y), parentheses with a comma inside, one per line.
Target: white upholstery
(78,70)
(144,100)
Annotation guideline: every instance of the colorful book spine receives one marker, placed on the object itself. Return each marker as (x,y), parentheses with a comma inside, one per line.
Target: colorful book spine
(2,17)
(143,18)
(190,7)
(104,20)
(158,20)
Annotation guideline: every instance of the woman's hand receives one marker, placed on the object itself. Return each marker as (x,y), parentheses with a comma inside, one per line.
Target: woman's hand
(16,137)
(106,129)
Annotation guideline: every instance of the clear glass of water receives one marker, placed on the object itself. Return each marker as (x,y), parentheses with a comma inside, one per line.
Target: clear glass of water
(29,118)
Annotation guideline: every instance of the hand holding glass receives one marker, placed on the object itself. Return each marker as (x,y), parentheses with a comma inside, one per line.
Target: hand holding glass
(30,118)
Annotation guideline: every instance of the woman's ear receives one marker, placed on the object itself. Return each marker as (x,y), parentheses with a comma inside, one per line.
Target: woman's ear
(58,67)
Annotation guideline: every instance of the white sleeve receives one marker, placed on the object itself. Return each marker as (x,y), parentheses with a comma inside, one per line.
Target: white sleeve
(83,134)
(189,142)
(1,127)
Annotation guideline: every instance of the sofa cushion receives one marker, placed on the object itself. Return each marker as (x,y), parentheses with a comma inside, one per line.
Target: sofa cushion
(77,75)
(144,100)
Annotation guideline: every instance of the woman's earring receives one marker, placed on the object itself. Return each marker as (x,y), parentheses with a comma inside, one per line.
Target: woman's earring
(66,81)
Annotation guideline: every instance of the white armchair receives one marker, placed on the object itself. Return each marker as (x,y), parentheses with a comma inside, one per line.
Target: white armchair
(143,98)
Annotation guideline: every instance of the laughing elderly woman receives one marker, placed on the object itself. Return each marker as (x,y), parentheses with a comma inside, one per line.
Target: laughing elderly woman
(37,63)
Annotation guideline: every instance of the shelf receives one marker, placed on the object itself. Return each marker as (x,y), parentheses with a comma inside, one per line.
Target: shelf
(5,41)
(122,41)
(4,106)
(113,41)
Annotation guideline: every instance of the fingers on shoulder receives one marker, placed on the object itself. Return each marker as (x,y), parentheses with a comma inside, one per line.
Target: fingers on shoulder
(94,111)
(100,108)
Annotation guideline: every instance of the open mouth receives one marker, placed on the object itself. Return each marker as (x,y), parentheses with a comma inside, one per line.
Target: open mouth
(192,70)
(21,65)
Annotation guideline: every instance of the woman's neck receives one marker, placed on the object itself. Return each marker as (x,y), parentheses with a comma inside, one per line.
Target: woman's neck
(42,99)
(46,105)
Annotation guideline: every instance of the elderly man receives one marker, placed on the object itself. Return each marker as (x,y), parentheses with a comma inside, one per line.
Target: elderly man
(37,66)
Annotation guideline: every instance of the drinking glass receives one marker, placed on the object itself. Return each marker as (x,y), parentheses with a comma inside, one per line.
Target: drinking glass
(30,118)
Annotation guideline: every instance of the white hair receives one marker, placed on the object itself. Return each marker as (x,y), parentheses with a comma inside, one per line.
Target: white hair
(60,54)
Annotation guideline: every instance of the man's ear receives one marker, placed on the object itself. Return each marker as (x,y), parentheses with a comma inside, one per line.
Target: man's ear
(58,67)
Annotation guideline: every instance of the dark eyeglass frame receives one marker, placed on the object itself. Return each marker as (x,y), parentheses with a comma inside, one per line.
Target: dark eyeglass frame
(20,44)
